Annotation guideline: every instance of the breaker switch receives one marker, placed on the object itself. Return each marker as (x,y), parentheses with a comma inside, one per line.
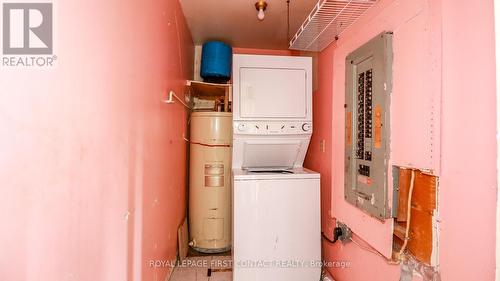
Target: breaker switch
(364,170)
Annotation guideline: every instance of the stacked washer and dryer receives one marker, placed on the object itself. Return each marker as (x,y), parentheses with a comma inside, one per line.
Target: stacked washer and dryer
(276,202)
(275,210)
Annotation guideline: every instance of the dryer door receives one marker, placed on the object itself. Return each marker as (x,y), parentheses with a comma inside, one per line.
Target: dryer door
(272,93)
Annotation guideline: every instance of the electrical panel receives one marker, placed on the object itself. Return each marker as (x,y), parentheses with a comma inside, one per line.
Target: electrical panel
(367,98)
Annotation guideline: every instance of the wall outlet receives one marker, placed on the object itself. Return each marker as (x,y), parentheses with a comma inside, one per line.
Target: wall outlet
(346,232)
(322,145)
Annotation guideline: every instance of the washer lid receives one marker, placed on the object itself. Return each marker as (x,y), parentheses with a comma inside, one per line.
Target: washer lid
(270,155)
(273,174)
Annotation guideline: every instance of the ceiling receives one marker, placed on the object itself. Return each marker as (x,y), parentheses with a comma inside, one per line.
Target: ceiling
(235,21)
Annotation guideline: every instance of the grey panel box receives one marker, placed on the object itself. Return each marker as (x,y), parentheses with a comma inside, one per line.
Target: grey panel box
(367,135)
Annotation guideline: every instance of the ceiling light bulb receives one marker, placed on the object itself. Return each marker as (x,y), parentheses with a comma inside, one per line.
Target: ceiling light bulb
(260,14)
(261,6)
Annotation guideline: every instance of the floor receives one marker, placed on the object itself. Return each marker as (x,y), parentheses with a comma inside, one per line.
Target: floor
(204,268)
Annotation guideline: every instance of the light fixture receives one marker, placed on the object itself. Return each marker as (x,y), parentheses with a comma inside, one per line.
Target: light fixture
(261,7)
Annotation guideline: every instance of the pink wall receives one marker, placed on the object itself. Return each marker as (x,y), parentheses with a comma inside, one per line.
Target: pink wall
(462,74)
(414,100)
(164,149)
(468,148)
(316,159)
(92,168)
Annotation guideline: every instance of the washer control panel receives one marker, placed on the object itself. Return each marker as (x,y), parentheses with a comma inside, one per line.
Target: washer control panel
(271,128)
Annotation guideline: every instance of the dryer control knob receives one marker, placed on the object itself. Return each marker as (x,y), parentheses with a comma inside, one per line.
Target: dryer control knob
(306,127)
(242,127)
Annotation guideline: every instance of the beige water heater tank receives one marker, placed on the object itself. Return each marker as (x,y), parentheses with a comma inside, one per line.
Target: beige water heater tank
(210,181)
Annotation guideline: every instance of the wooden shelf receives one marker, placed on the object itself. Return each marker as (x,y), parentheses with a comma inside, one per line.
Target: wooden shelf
(210,91)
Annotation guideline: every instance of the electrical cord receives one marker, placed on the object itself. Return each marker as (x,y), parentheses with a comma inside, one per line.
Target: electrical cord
(210,145)
(337,233)
(373,251)
(408,216)
(326,238)
(407,232)
(288,22)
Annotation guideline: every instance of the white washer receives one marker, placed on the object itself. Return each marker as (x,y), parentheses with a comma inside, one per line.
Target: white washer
(276,226)
(276,202)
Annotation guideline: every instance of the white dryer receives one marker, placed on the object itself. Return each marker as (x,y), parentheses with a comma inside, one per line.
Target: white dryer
(276,202)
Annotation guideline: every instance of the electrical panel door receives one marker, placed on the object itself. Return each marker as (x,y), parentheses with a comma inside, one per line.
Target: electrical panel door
(368,90)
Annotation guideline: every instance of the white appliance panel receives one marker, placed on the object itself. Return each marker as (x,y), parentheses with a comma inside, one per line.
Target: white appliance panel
(250,151)
(277,221)
(272,88)
(280,154)
(273,93)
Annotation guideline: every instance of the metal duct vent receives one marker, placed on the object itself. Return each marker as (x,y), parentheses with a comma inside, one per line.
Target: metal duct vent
(327,20)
